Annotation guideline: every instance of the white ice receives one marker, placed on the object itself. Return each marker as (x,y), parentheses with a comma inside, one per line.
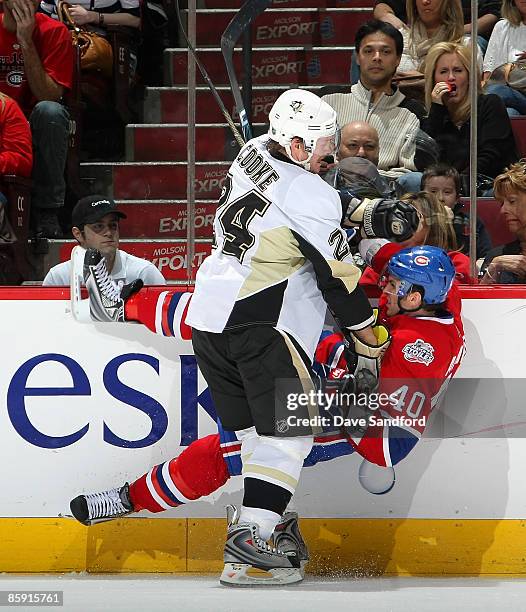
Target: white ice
(188,593)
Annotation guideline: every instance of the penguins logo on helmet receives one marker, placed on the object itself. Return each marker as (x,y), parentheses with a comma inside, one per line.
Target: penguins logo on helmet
(421,260)
(296,106)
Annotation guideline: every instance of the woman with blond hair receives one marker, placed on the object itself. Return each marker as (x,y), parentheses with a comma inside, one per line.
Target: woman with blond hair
(506,264)
(435,229)
(429,22)
(448,102)
(508,44)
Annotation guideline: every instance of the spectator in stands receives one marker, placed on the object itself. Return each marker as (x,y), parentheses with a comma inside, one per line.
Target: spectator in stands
(395,13)
(448,101)
(36,71)
(436,229)
(95,221)
(359,139)
(444,182)
(506,264)
(508,44)
(375,100)
(429,23)
(100,13)
(16,152)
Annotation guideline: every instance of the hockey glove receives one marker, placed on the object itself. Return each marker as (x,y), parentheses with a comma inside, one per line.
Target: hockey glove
(392,219)
(366,357)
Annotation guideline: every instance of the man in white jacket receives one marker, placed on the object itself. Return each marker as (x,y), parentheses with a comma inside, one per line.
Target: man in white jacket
(375,100)
(95,222)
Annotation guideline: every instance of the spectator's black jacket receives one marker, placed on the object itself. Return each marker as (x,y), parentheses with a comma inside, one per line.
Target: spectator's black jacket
(506,278)
(496,145)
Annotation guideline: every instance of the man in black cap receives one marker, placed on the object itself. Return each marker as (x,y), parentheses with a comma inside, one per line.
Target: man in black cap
(95,222)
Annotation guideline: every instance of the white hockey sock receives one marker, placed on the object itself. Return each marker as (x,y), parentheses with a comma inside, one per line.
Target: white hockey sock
(265,519)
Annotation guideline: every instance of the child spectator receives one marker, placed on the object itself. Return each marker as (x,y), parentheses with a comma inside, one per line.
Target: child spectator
(444,182)
(507,44)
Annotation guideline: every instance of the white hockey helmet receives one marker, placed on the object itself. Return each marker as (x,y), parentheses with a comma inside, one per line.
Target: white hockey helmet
(302,114)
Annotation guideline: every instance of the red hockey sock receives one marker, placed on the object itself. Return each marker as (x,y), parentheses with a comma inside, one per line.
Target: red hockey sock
(198,471)
(142,307)
(163,313)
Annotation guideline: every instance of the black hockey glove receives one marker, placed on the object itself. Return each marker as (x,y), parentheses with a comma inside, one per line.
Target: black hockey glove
(395,220)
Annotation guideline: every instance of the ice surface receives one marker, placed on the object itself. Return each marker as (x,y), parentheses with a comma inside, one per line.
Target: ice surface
(188,593)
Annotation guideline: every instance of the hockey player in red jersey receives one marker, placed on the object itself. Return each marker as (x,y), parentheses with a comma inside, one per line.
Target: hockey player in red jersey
(421,306)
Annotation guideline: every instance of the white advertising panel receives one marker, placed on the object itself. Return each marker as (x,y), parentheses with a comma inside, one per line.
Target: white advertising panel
(87,407)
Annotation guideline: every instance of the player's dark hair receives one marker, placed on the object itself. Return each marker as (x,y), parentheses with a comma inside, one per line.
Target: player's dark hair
(375,25)
(429,307)
(441,170)
(274,148)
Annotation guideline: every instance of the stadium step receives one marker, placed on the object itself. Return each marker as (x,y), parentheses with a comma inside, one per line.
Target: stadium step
(287,26)
(152,180)
(235,4)
(270,66)
(165,218)
(170,257)
(167,142)
(169,104)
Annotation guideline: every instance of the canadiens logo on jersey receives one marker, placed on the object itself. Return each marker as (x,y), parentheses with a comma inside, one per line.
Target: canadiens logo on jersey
(419,352)
(12,67)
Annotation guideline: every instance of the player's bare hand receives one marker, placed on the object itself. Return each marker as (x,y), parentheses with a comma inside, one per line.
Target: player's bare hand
(24,15)
(326,166)
(514,264)
(438,92)
(81,16)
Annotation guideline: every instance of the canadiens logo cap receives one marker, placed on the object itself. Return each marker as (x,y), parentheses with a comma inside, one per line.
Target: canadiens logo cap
(91,209)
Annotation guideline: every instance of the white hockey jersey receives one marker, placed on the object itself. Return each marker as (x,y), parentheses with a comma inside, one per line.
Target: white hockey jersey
(280,254)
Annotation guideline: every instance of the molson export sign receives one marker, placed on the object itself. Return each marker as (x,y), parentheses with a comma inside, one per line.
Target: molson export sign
(170,258)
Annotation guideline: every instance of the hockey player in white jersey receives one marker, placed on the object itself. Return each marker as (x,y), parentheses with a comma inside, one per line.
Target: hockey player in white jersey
(258,309)
(260,300)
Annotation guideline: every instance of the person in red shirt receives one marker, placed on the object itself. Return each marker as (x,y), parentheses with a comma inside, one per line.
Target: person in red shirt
(16,153)
(36,69)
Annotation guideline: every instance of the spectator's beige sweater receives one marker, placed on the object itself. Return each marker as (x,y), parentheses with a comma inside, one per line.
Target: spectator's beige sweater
(396,126)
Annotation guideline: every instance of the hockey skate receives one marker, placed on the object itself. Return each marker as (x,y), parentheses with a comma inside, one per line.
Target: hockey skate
(104,506)
(105,302)
(287,537)
(245,551)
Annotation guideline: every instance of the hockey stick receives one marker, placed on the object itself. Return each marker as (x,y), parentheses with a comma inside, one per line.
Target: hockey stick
(242,19)
(208,81)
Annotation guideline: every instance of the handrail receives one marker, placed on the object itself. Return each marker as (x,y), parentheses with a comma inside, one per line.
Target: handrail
(474,80)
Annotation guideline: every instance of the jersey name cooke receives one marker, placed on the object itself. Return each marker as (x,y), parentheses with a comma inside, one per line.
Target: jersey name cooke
(259,171)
